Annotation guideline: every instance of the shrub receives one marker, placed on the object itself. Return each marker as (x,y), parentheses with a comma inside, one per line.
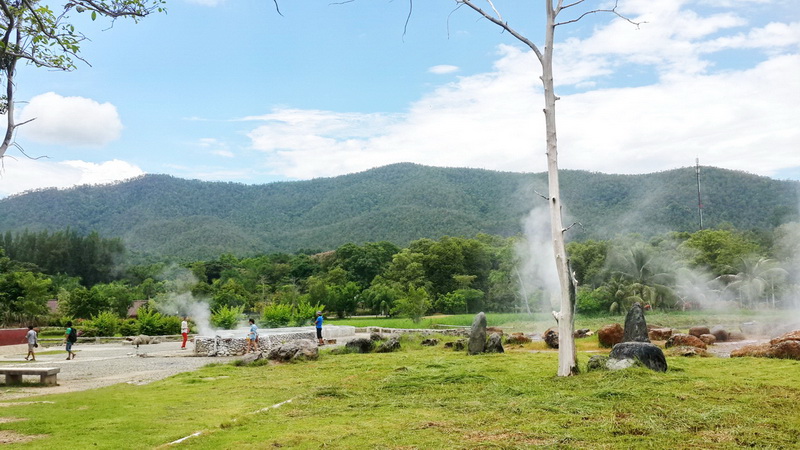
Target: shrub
(149,321)
(170,325)
(596,301)
(277,315)
(304,313)
(226,317)
(129,327)
(105,324)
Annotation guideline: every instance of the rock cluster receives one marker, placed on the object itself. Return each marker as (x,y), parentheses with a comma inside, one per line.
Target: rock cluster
(786,346)
(477,337)
(299,350)
(636,348)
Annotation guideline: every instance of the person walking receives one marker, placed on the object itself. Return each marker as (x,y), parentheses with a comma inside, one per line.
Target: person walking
(70,337)
(184,332)
(318,324)
(33,341)
(252,337)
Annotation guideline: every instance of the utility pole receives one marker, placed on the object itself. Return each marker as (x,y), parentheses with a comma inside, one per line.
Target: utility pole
(699,200)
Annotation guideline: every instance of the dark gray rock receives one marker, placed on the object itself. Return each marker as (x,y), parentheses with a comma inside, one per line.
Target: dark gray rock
(391,345)
(635,325)
(720,333)
(551,337)
(477,335)
(458,345)
(596,362)
(430,342)
(582,333)
(301,349)
(495,344)
(648,354)
(252,357)
(360,345)
(375,336)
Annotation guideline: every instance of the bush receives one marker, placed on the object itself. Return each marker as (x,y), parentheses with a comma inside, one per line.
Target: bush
(277,315)
(304,313)
(149,321)
(105,324)
(596,301)
(129,327)
(226,317)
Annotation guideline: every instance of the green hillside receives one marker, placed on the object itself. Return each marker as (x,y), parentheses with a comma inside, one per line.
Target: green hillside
(159,215)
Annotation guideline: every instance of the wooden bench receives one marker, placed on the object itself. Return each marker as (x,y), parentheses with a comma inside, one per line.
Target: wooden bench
(14,374)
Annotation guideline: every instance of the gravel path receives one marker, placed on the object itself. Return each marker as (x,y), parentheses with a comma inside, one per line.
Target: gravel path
(98,365)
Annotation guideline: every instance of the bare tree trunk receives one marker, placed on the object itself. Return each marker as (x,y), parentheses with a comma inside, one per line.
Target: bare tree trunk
(567,355)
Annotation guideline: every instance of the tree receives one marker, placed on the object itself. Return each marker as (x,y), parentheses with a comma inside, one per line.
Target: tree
(567,355)
(413,304)
(34,33)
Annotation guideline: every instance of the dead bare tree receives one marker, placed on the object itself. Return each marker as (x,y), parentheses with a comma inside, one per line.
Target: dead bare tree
(567,355)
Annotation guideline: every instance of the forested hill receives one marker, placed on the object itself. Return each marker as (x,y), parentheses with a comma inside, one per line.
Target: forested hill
(159,215)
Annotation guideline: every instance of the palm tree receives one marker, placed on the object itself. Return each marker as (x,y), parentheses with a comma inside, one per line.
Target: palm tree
(756,275)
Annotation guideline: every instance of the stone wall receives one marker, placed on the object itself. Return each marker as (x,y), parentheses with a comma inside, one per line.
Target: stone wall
(229,346)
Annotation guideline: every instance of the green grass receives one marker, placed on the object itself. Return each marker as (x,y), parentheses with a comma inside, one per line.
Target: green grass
(424,397)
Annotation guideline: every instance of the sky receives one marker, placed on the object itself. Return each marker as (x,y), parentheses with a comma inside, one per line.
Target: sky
(231,90)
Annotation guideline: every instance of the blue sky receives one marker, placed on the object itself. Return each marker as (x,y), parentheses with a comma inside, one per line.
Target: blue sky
(228,90)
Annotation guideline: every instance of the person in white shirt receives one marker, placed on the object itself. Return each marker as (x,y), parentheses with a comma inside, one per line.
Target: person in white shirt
(33,342)
(184,332)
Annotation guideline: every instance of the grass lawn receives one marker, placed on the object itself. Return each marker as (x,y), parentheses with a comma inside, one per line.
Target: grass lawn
(422,397)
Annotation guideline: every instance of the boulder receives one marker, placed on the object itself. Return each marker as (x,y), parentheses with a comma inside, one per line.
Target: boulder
(374,336)
(551,337)
(391,345)
(596,362)
(754,350)
(659,334)
(650,355)
(708,339)
(785,350)
(635,325)
(790,336)
(477,335)
(609,335)
(736,336)
(430,342)
(687,351)
(360,345)
(582,333)
(517,338)
(301,349)
(680,339)
(458,345)
(495,344)
(720,333)
(620,364)
(697,331)
(252,357)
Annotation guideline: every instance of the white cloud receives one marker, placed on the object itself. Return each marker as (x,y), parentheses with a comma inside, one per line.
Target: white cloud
(74,121)
(738,119)
(21,174)
(443,69)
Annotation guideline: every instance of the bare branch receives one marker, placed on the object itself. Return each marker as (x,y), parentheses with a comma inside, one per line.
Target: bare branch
(495,10)
(408,17)
(504,26)
(277,8)
(595,11)
(541,195)
(568,228)
(560,7)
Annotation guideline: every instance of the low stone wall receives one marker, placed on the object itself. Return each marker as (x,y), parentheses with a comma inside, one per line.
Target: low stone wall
(229,346)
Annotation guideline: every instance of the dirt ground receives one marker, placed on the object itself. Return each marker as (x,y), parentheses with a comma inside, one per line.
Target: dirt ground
(99,365)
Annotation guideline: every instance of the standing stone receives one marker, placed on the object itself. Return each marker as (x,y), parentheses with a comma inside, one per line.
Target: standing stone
(477,335)
(635,325)
(495,344)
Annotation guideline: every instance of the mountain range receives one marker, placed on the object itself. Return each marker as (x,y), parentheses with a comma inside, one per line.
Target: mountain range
(160,216)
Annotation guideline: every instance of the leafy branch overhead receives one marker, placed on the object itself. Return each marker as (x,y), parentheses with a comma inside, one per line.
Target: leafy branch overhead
(34,33)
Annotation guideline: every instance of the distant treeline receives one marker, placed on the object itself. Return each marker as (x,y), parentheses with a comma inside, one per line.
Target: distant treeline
(448,275)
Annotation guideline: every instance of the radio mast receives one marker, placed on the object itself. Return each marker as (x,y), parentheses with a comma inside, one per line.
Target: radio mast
(699,199)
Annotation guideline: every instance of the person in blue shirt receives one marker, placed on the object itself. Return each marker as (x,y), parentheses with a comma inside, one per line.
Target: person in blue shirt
(252,337)
(318,323)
